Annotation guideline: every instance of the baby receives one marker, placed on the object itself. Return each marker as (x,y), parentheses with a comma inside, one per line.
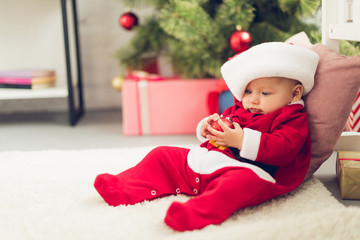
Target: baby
(262,95)
(265,155)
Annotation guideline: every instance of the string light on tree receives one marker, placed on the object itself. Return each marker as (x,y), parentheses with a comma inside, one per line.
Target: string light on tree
(240,40)
(128,20)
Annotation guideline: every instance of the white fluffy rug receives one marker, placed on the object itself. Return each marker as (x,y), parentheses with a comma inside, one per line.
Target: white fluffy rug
(50,195)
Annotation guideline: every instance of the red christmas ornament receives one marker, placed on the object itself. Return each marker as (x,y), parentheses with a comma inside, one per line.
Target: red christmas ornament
(240,41)
(128,20)
(228,121)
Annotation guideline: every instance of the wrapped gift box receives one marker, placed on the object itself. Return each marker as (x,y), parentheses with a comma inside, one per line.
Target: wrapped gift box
(348,171)
(353,123)
(158,106)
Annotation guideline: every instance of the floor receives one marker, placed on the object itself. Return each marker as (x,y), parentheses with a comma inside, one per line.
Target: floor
(103,129)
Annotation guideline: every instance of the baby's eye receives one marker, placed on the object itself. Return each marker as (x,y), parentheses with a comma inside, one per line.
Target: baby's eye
(247,91)
(265,93)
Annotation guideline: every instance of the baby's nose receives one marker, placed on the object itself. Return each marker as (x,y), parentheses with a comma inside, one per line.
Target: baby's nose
(254,98)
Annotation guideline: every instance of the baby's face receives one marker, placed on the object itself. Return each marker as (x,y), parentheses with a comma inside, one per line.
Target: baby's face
(265,95)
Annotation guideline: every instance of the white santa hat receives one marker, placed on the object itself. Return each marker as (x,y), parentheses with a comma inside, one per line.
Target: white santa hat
(272,59)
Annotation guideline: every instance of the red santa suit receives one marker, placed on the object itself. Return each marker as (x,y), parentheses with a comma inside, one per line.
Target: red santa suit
(274,158)
(273,161)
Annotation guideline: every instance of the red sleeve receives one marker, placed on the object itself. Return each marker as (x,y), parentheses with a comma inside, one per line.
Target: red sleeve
(285,139)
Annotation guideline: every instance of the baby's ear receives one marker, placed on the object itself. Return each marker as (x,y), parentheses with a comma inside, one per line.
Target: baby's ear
(297,92)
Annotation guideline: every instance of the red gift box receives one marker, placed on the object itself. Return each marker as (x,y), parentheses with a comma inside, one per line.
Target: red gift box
(157,106)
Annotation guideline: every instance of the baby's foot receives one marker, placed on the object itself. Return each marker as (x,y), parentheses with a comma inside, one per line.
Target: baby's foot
(109,188)
(182,218)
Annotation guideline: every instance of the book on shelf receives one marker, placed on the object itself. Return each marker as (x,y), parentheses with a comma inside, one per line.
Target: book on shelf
(27,86)
(27,73)
(27,79)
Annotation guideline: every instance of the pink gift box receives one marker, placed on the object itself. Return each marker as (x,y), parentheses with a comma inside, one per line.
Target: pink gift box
(164,106)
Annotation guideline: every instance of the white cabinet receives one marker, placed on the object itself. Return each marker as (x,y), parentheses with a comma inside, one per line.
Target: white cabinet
(340,21)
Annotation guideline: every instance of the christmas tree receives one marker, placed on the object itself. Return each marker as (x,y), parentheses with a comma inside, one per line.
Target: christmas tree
(196,34)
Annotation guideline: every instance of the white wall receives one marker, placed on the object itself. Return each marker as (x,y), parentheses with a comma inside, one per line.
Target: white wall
(101,36)
(31,37)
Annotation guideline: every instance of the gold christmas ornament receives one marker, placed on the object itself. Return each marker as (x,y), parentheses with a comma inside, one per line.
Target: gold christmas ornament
(117,82)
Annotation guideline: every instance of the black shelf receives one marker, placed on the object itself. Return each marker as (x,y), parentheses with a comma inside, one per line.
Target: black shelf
(75,113)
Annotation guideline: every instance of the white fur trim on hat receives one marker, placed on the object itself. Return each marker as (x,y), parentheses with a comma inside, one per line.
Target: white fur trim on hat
(272,59)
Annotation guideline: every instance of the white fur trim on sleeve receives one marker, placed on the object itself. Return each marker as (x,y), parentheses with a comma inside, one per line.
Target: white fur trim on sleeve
(251,144)
(198,131)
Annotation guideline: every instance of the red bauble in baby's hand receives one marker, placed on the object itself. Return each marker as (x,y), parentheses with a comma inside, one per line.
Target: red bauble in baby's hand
(228,121)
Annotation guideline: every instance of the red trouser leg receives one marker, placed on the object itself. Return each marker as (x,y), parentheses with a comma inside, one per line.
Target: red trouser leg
(222,193)
(163,171)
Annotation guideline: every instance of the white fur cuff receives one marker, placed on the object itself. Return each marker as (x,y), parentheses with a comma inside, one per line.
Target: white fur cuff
(251,144)
(198,131)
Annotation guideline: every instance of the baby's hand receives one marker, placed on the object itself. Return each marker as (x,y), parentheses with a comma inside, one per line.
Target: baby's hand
(204,130)
(229,137)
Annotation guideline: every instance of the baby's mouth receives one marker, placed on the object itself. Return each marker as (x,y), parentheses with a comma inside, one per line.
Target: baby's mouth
(255,110)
